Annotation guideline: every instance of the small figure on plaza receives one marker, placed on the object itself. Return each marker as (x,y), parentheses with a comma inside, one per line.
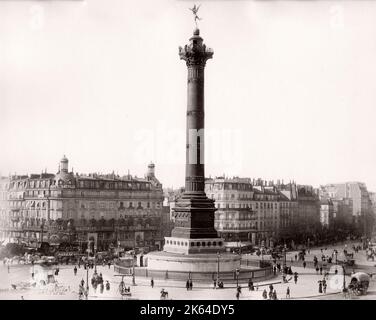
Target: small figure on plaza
(265,294)
(75,270)
(101,287)
(320,286)
(190,284)
(187,285)
(164,294)
(288,293)
(296,277)
(152,282)
(214,284)
(107,286)
(250,285)
(304,264)
(274,296)
(321,270)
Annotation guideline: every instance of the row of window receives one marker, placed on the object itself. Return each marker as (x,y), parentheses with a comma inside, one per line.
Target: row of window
(195,243)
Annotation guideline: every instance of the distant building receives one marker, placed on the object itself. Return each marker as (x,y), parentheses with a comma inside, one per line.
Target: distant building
(308,207)
(71,208)
(326,212)
(361,202)
(250,210)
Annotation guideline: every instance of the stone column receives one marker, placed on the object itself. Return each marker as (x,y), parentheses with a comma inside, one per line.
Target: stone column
(195,54)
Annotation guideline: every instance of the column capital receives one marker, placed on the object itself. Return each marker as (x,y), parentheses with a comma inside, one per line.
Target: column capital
(195,53)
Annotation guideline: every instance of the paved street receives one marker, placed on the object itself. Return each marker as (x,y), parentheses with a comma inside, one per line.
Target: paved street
(306,287)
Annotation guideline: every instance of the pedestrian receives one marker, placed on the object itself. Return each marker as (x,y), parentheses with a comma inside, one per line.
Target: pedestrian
(250,285)
(237,295)
(107,285)
(296,257)
(288,293)
(275,295)
(296,278)
(270,295)
(109,264)
(190,284)
(75,270)
(82,282)
(265,294)
(187,285)
(321,270)
(102,287)
(214,284)
(271,287)
(152,282)
(317,270)
(320,287)
(304,264)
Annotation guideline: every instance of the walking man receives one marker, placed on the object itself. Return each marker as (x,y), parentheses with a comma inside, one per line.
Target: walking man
(288,293)
(187,285)
(75,270)
(296,277)
(304,264)
(152,282)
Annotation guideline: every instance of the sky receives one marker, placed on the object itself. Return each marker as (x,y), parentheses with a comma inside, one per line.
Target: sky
(289,94)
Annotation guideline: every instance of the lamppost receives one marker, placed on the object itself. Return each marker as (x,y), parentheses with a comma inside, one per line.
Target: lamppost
(218,256)
(284,252)
(344,278)
(134,256)
(133,269)
(87,270)
(237,277)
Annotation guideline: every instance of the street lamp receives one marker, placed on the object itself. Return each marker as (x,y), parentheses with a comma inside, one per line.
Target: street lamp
(284,251)
(87,270)
(237,277)
(133,271)
(344,278)
(218,256)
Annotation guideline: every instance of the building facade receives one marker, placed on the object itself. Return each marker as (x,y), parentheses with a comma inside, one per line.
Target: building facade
(251,210)
(326,213)
(362,213)
(71,208)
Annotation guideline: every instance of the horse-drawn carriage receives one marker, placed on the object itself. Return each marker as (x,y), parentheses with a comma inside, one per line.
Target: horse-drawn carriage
(359,283)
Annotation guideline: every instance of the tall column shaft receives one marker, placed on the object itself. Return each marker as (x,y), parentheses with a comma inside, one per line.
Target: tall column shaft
(195,170)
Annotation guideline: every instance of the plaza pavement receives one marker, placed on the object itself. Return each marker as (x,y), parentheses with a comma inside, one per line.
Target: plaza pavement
(306,287)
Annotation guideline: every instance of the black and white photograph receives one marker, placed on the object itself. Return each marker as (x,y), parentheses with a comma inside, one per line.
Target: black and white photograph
(187,150)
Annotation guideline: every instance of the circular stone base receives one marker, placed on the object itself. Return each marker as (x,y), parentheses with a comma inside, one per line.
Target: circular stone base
(196,262)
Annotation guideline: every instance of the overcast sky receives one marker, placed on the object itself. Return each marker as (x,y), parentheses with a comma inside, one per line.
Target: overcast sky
(290,91)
